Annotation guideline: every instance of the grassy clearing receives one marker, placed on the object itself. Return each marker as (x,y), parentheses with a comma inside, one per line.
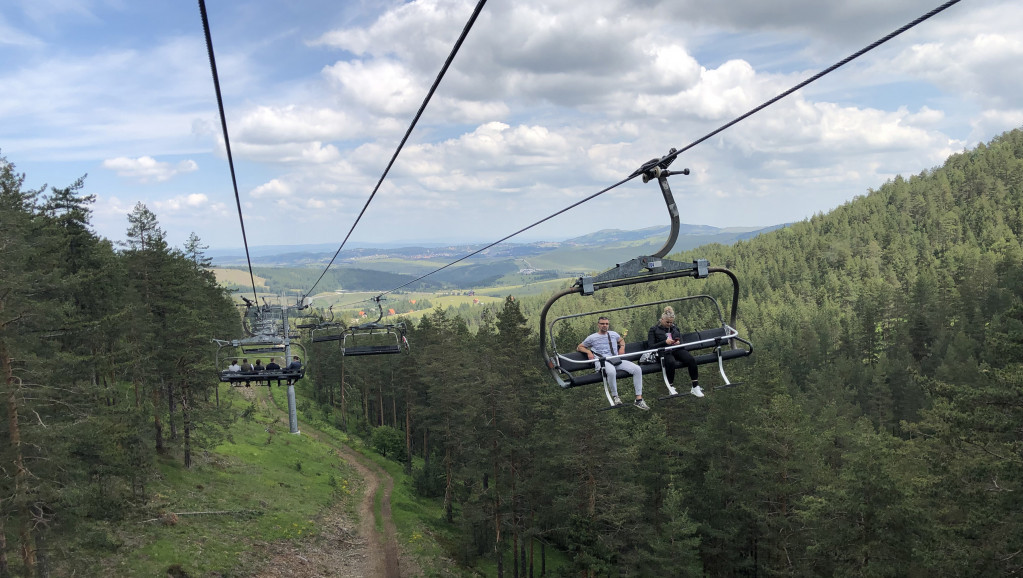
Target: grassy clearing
(264,486)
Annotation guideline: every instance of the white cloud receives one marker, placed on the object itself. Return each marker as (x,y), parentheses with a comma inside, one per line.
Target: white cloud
(381,86)
(547,102)
(979,66)
(147,169)
(272,189)
(290,124)
(184,203)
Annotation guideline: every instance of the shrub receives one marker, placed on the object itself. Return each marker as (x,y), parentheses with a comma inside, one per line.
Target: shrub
(389,442)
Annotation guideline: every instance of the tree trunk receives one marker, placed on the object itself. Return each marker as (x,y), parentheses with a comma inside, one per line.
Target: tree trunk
(515,551)
(448,491)
(515,525)
(170,411)
(380,403)
(426,449)
(497,518)
(42,561)
(344,400)
(532,539)
(5,570)
(186,425)
(331,399)
(408,434)
(522,556)
(365,403)
(20,473)
(543,558)
(5,567)
(157,422)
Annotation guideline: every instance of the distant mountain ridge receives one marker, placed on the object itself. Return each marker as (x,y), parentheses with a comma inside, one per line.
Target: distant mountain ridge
(585,252)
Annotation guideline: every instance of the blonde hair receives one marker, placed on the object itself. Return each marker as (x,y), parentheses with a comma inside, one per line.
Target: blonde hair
(669,313)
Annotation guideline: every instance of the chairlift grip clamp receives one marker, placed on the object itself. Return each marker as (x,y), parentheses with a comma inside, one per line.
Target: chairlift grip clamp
(701,266)
(587,285)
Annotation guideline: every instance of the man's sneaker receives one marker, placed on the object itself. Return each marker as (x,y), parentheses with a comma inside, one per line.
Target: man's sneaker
(616,400)
(672,390)
(642,404)
(697,391)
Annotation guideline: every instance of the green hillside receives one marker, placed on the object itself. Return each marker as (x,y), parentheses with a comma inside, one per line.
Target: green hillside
(882,401)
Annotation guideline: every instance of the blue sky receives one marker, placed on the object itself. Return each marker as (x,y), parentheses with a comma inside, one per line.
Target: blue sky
(547,102)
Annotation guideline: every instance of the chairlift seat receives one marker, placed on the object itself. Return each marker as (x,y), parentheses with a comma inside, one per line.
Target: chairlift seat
(371,350)
(275,349)
(577,361)
(242,377)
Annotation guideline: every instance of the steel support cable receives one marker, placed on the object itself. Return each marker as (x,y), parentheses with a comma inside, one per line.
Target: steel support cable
(815,77)
(227,141)
(394,157)
(671,156)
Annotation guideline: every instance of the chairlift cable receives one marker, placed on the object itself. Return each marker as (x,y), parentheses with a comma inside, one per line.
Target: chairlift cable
(672,155)
(227,141)
(394,157)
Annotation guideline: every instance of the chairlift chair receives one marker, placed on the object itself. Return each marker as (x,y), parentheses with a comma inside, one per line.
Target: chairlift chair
(374,338)
(572,368)
(238,349)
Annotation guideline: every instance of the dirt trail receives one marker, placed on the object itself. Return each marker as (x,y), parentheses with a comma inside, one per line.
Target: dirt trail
(346,548)
(385,555)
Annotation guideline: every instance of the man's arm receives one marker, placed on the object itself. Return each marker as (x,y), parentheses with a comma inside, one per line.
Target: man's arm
(621,345)
(583,349)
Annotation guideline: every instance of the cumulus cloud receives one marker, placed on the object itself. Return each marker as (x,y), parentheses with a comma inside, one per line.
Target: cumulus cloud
(183,202)
(977,66)
(545,103)
(274,188)
(147,169)
(291,123)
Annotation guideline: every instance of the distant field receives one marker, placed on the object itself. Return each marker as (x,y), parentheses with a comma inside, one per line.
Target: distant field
(362,300)
(534,288)
(237,277)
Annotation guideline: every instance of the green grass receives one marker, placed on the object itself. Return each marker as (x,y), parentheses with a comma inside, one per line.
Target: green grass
(272,483)
(418,522)
(263,487)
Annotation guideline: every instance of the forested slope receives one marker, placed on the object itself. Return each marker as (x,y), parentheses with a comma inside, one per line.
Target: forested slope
(877,433)
(104,365)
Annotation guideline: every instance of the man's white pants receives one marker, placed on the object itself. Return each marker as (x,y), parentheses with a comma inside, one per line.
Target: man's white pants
(612,375)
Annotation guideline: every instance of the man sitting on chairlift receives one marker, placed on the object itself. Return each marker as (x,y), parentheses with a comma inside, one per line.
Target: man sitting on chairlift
(603,343)
(295,366)
(272,366)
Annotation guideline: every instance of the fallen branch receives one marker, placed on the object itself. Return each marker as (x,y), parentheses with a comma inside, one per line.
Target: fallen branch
(212,513)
